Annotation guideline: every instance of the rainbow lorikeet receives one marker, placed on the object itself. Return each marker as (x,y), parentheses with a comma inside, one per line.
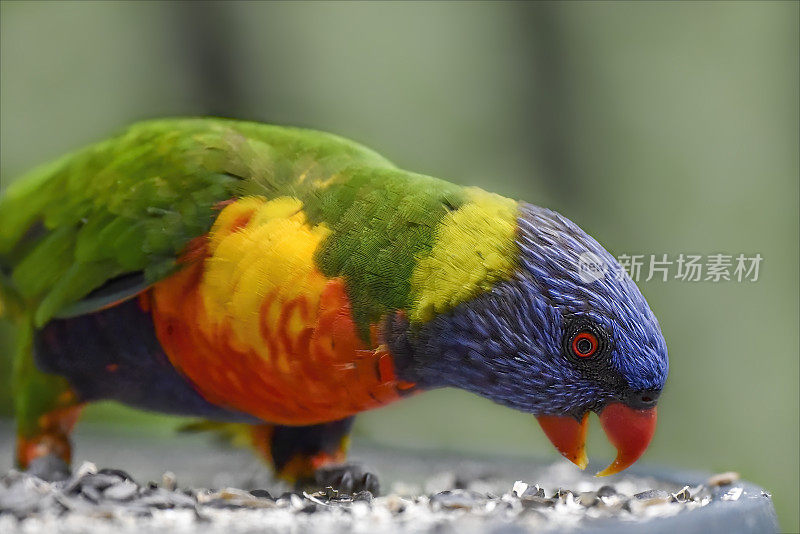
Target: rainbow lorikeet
(286,280)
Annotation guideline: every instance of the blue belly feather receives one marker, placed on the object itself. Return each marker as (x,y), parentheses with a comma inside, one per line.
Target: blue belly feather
(113,354)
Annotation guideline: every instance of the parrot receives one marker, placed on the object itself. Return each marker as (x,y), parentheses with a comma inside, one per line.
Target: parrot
(277,281)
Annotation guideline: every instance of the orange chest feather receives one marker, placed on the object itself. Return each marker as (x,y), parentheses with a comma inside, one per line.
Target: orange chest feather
(273,340)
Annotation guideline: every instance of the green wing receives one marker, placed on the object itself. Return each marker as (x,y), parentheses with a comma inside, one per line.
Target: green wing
(131,204)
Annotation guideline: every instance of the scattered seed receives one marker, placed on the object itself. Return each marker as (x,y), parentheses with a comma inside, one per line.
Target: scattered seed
(652,494)
(519,488)
(683,495)
(532,491)
(455,499)
(123,491)
(261,494)
(296,501)
(537,502)
(233,493)
(98,481)
(169,481)
(395,504)
(732,494)
(108,493)
(119,473)
(91,494)
(606,491)
(723,479)
(563,495)
(86,468)
(588,499)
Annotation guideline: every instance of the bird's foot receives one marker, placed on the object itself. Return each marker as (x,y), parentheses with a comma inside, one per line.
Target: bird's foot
(46,455)
(49,467)
(346,479)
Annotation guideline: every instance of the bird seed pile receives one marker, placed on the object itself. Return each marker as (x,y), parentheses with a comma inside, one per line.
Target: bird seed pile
(109,500)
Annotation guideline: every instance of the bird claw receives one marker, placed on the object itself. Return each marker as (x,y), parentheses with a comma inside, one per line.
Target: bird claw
(49,467)
(347,479)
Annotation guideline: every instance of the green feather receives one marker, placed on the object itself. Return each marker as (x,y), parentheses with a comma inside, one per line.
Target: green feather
(382,222)
(133,202)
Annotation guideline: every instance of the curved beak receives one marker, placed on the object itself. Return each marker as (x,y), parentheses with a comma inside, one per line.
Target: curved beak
(628,429)
(568,435)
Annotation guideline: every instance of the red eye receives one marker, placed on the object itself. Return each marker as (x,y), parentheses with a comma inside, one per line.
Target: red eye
(584,344)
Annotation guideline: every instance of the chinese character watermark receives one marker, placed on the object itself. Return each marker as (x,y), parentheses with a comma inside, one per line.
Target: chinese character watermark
(591,267)
(690,268)
(717,267)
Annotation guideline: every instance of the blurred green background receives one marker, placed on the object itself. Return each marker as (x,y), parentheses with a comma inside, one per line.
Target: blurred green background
(658,127)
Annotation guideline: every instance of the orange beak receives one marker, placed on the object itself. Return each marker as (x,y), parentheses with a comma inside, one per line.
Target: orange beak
(628,429)
(568,435)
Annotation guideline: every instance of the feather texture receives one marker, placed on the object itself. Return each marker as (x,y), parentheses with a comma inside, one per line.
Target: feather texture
(135,203)
(300,278)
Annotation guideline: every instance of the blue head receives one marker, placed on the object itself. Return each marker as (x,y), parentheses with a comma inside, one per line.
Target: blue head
(569,333)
